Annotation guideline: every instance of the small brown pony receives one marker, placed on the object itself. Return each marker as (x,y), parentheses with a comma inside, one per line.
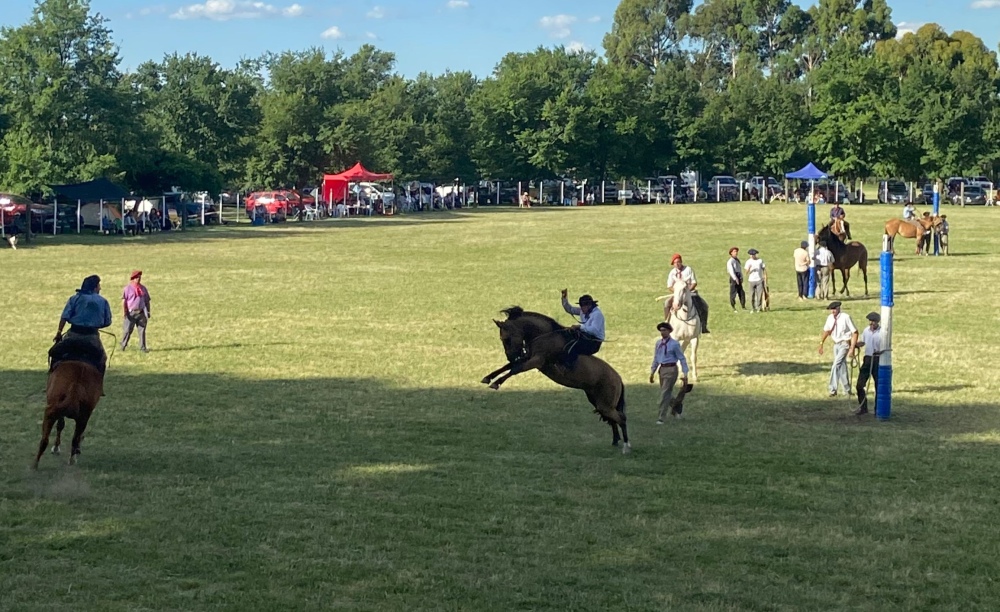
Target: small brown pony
(535,341)
(917,228)
(845,256)
(73,390)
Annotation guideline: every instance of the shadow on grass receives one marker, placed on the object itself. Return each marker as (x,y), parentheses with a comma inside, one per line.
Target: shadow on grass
(932,389)
(767,368)
(245,231)
(223,346)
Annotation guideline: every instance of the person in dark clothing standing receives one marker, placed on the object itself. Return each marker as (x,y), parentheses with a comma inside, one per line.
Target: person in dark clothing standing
(735,270)
(871,340)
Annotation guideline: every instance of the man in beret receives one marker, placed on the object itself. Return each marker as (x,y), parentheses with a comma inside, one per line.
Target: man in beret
(735,270)
(841,329)
(667,354)
(682,273)
(135,307)
(871,340)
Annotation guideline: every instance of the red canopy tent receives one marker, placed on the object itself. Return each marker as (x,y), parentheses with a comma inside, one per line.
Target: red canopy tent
(335,185)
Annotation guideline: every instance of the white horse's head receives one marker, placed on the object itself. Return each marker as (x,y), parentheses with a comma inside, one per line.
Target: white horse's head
(682,296)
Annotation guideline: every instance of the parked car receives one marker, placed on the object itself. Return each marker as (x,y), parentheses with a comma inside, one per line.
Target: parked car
(974,195)
(981,181)
(723,188)
(274,204)
(893,192)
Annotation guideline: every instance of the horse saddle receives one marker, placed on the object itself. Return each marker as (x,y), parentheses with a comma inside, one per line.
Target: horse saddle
(75,349)
(677,403)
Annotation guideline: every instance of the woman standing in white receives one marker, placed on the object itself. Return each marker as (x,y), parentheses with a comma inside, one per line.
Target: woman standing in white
(757,277)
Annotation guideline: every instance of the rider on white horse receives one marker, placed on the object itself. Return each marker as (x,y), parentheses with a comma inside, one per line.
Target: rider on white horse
(682,273)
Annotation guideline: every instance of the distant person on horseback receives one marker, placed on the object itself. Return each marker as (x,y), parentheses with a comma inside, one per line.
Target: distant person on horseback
(837,212)
(588,336)
(86,312)
(909,212)
(681,273)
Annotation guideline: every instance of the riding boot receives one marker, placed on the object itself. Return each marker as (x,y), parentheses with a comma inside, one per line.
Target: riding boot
(702,306)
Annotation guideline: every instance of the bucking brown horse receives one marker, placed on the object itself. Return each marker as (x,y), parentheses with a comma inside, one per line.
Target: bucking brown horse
(535,341)
(846,255)
(73,390)
(916,228)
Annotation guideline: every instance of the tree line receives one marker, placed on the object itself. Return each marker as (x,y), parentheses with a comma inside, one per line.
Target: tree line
(761,86)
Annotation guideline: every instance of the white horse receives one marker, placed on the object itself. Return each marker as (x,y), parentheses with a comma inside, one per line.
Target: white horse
(683,317)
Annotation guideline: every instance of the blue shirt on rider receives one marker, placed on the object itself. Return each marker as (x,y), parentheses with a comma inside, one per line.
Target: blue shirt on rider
(87,309)
(591,324)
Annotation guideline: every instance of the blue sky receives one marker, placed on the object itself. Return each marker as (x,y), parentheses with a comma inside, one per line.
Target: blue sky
(426,35)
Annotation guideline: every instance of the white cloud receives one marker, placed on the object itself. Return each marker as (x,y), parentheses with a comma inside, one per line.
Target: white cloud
(377,12)
(558,26)
(987,4)
(909,27)
(458,4)
(595,19)
(576,47)
(371,36)
(332,33)
(224,10)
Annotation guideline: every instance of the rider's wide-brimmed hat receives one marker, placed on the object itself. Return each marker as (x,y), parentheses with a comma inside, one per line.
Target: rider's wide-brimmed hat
(587,299)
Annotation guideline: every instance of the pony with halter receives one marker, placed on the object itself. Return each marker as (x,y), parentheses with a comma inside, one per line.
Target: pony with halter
(535,341)
(916,228)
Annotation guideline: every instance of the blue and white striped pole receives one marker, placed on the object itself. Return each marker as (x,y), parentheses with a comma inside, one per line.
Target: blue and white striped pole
(811,229)
(883,398)
(937,210)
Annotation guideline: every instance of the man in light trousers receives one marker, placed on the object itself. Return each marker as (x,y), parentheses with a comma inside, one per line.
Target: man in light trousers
(841,329)
(667,354)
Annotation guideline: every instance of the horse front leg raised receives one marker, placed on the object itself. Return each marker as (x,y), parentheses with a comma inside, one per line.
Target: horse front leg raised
(489,377)
(516,368)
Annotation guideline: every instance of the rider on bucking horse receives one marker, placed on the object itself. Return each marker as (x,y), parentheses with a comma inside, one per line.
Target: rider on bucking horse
(86,312)
(589,334)
(837,212)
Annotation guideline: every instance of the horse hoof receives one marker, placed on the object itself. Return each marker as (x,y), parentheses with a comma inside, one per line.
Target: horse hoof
(485,380)
(55,450)
(495,387)
(627,448)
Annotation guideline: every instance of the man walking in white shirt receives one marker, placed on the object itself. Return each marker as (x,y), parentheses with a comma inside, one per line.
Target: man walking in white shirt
(871,340)
(757,276)
(841,329)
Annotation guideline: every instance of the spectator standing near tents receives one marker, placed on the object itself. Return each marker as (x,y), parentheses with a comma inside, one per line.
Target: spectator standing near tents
(135,304)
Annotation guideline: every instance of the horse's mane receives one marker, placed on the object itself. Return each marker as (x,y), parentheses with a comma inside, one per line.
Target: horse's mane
(832,237)
(516,312)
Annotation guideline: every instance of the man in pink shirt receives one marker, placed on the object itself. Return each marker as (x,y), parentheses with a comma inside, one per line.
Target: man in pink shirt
(135,303)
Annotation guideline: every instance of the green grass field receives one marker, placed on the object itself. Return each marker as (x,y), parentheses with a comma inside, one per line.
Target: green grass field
(309,431)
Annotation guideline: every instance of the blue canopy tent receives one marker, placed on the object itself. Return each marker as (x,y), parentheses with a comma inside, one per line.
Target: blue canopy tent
(810,173)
